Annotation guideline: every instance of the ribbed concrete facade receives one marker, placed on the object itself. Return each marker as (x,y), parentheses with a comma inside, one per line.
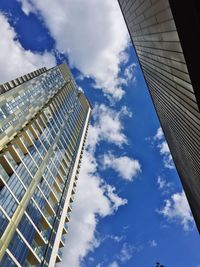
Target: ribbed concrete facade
(160,52)
(43,127)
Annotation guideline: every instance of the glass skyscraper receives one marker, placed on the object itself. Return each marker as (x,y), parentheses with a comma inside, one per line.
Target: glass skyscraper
(43,127)
(165,34)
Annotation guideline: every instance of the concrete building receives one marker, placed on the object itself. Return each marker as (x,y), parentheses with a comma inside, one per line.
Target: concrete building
(43,127)
(165,34)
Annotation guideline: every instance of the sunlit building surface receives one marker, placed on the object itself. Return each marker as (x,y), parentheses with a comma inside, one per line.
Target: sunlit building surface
(43,127)
(165,34)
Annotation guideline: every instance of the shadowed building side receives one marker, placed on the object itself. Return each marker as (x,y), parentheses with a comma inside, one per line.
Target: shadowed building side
(162,37)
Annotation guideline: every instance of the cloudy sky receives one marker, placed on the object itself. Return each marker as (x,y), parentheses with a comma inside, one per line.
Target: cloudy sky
(129,209)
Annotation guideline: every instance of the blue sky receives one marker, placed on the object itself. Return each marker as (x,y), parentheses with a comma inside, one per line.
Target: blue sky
(129,208)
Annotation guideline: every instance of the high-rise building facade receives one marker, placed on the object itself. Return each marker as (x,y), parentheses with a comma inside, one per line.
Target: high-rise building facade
(43,127)
(165,34)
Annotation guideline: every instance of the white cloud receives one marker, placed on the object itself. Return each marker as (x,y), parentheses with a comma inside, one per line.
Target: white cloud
(115,238)
(177,209)
(129,73)
(116,201)
(167,157)
(126,111)
(14,59)
(162,183)
(108,126)
(80,89)
(113,264)
(164,149)
(126,167)
(126,252)
(27,6)
(153,243)
(159,134)
(93,35)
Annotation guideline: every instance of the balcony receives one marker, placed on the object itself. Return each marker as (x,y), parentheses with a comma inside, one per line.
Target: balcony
(32,257)
(63,170)
(62,242)
(53,198)
(60,179)
(6,165)
(69,208)
(40,239)
(59,256)
(73,190)
(67,218)
(65,229)
(57,187)
(49,209)
(75,183)
(48,217)
(44,223)
(71,199)
(37,249)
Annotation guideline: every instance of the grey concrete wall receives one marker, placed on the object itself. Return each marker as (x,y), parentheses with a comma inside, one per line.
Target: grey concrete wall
(154,35)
